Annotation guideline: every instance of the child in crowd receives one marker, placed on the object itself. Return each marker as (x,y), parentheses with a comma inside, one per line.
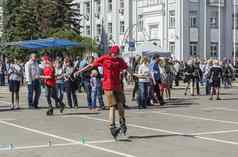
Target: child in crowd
(50,84)
(96,87)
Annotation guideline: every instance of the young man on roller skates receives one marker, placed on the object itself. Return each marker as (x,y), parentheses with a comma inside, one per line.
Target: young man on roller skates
(50,85)
(112,68)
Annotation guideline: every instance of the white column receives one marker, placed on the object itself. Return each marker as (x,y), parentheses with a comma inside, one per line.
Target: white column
(115,21)
(93,22)
(179,30)
(227,31)
(182,30)
(164,42)
(234,30)
(205,30)
(219,30)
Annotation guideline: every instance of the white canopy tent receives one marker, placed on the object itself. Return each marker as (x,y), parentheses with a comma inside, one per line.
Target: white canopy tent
(149,49)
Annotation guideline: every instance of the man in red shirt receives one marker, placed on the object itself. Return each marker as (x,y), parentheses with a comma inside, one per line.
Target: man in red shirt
(112,68)
(50,85)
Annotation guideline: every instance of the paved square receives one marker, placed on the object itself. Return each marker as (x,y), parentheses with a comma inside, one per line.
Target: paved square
(186,126)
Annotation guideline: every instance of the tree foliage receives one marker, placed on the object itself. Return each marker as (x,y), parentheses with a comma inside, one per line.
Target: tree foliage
(34,19)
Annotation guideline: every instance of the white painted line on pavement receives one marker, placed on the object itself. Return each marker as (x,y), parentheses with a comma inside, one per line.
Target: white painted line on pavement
(54,145)
(214,132)
(221,109)
(66,139)
(160,130)
(5,102)
(131,125)
(7,119)
(195,117)
(100,141)
(217,140)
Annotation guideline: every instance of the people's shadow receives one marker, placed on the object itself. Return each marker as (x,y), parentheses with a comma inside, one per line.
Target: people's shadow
(77,114)
(131,138)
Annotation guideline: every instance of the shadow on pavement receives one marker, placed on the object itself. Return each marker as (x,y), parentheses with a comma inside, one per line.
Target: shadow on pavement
(230,99)
(158,136)
(79,113)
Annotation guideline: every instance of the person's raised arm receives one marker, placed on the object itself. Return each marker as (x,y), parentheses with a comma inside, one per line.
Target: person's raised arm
(86,68)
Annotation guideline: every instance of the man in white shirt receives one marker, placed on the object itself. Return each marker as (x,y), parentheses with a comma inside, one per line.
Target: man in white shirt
(32,75)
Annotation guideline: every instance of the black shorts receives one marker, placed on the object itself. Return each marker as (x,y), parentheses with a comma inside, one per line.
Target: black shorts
(14,85)
(216,83)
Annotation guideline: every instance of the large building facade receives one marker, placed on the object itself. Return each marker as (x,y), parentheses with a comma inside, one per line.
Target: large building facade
(109,15)
(203,28)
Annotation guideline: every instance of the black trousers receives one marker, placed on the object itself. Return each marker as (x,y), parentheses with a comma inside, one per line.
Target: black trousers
(51,92)
(156,89)
(71,93)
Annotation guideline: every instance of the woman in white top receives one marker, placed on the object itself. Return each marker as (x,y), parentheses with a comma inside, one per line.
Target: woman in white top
(14,75)
(144,83)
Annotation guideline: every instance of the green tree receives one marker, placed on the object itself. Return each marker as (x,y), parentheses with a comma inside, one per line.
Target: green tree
(87,44)
(33,19)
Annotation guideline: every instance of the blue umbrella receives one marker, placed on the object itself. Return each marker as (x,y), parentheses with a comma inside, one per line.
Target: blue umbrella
(45,43)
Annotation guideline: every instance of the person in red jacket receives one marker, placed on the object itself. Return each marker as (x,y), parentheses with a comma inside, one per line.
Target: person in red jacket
(50,85)
(113,66)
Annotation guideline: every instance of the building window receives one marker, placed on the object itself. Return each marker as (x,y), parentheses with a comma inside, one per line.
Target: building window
(140,23)
(235,19)
(98,29)
(193,19)
(98,7)
(148,3)
(109,5)
(122,27)
(110,29)
(154,2)
(97,38)
(172,19)
(88,31)
(236,50)
(213,22)
(77,6)
(122,5)
(214,50)
(87,6)
(193,49)
(172,47)
(154,31)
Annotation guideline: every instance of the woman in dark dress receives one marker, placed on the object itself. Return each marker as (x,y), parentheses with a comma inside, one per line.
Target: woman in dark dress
(215,77)
(188,76)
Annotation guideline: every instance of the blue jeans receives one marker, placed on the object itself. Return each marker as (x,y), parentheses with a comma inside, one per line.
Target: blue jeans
(2,79)
(87,89)
(60,91)
(143,94)
(97,93)
(34,88)
(208,87)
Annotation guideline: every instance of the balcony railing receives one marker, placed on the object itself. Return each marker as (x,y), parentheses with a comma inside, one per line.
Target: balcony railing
(216,2)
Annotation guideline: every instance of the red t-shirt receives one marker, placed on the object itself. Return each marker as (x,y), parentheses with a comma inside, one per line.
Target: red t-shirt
(50,71)
(112,67)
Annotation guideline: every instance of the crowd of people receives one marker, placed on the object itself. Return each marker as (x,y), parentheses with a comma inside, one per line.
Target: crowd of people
(152,77)
(194,73)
